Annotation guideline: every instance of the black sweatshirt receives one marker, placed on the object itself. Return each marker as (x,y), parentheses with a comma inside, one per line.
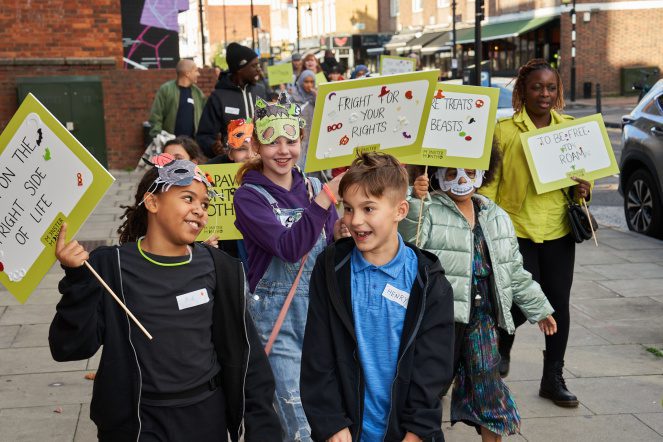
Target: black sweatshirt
(332,384)
(87,318)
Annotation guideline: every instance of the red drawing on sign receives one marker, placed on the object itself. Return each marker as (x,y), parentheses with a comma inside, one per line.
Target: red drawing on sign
(79,177)
(479,103)
(345,140)
(408,95)
(384,91)
(439,94)
(468,138)
(333,127)
(2,267)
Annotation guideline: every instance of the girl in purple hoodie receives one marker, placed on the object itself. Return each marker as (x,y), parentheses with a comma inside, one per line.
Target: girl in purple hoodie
(286,220)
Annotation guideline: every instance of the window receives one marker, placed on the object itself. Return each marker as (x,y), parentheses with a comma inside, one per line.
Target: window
(443,4)
(417,5)
(394,7)
(655,106)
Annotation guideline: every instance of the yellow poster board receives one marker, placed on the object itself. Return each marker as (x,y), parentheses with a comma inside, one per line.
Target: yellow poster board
(579,148)
(460,127)
(221,211)
(367,115)
(279,74)
(320,79)
(390,65)
(46,178)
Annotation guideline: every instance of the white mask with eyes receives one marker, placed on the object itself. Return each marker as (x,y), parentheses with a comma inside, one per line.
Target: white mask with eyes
(455,186)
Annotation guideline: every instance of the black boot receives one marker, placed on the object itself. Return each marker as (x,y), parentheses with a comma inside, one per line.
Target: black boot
(504,344)
(553,386)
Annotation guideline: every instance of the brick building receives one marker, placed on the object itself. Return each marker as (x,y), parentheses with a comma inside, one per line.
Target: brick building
(57,45)
(613,38)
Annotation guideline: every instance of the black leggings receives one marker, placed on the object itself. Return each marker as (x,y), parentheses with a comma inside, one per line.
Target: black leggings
(551,264)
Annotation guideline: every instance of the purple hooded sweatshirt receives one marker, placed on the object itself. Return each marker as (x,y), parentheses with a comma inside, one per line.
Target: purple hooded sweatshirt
(265,236)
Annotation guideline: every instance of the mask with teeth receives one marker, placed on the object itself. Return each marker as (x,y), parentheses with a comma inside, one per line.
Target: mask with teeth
(281,119)
(455,186)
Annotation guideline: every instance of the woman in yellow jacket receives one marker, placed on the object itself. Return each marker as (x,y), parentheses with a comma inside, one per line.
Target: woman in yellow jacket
(540,220)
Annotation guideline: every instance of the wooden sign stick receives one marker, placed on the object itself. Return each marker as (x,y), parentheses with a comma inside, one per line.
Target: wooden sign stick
(584,203)
(421,212)
(124,307)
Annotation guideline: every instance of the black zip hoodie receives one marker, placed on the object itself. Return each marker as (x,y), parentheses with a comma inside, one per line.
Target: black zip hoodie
(226,102)
(87,318)
(332,382)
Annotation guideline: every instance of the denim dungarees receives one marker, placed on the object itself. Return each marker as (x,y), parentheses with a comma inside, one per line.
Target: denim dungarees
(266,302)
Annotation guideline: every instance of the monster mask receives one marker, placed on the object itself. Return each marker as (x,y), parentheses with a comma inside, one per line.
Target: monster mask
(280,119)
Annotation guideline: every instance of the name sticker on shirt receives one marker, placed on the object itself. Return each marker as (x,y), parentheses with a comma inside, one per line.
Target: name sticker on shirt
(190,100)
(232,110)
(192,299)
(398,296)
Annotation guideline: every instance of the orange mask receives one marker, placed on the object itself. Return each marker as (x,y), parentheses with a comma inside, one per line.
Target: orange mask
(239,132)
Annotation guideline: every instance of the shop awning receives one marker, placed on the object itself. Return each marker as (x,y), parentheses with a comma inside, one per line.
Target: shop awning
(400,40)
(442,42)
(497,31)
(418,43)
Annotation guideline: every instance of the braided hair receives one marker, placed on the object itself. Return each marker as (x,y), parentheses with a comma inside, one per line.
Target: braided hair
(135,217)
(518,99)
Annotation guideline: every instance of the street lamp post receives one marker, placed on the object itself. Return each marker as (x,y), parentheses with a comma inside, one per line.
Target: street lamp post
(298,30)
(478,45)
(454,59)
(572,14)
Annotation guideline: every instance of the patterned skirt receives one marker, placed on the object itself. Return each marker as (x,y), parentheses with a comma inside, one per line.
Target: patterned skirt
(480,398)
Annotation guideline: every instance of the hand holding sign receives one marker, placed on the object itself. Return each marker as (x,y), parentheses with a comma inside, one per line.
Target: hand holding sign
(70,254)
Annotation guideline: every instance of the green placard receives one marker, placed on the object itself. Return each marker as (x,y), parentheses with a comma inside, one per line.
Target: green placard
(575,148)
(390,65)
(369,114)
(221,220)
(460,127)
(220,62)
(46,177)
(320,78)
(279,74)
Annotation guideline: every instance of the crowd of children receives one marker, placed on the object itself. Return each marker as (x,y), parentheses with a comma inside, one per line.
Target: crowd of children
(315,326)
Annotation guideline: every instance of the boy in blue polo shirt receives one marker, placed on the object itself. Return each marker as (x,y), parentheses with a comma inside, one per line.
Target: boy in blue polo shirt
(378,346)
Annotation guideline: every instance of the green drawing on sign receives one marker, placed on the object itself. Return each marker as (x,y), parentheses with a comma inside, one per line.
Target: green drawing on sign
(47,154)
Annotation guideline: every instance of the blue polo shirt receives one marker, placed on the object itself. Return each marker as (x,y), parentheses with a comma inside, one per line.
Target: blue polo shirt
(379,301)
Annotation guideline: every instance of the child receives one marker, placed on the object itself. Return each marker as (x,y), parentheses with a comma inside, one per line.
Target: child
(184,148)
(239,149)
(204,374)
(286,220)
(475,241)
(378,347)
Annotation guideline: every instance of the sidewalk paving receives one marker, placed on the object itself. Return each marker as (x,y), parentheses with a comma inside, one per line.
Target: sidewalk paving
(612,108)
(617,311)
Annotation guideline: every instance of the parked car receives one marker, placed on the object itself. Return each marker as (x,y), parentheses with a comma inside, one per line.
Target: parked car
(641,178)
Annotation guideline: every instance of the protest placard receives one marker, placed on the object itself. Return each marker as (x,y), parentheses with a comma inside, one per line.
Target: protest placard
(390,65)
(578,148)
(320,79)
(368,115)
(221,220)
(279,74)
(46,178)
(220,62)
(460,127)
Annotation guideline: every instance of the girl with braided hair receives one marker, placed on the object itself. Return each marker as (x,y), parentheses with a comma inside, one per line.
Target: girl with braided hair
(540,220)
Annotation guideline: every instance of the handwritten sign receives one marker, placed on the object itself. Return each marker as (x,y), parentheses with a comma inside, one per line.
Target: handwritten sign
(320,78)
(221,220)
(221,62)
(390,65)
(460,127)
(280,74)
(576,148)
(369,114)
(46,178)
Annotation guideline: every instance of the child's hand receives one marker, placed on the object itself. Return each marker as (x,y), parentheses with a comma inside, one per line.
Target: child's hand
(212,241)
(334,183)
(548,326)
(411,437)
(340,230)
(420,186)
(70,254)
(342,436)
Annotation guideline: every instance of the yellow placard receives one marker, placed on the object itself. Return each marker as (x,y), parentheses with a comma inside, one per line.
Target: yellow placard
(221,220)
(46,178)
(320,78)
(578,148)
(386,114)
(279,74)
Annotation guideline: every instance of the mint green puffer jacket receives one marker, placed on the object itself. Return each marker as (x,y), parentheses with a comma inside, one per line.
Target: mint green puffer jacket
(446,232)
